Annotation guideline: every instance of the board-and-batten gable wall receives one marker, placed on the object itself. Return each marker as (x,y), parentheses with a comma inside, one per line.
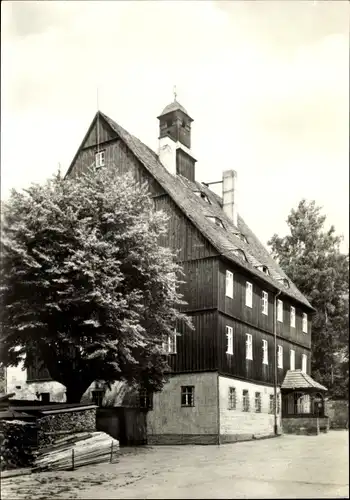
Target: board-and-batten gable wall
(254,370)
(236,307)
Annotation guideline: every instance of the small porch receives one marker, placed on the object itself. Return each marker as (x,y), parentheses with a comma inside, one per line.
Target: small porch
(303,404)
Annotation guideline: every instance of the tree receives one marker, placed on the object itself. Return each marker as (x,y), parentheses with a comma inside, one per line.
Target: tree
(310,256)
(85,286)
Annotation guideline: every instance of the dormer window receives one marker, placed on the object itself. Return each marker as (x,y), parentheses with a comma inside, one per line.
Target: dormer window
(201,195)
(263,269)
(215,220)
(242,237)
(239,253)
(100,159)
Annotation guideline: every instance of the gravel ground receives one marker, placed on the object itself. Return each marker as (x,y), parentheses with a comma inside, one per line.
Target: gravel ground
(284,467)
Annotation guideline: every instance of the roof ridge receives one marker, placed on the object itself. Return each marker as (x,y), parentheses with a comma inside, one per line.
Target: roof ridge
(224,241)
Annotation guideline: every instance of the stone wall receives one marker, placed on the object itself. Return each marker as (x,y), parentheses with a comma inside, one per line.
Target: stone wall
(305,425)
(169,423)
(236,424)
(338,413)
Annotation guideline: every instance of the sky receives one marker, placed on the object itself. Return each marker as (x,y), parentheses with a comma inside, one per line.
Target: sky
(266,82)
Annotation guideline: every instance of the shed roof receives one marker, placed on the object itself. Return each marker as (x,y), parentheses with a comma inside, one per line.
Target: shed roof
(296,379)
(225,240)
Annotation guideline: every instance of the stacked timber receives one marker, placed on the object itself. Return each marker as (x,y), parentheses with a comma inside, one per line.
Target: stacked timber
(77,450)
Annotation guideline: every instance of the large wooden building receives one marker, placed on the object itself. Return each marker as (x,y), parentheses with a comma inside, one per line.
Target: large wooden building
(252,324)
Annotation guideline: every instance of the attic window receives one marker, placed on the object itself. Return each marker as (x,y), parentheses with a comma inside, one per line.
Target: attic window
(183,123)
(169,123)
(240,254)
(215,220)
(242,237)
(202,195)
(99,159)
(284,281)
(264,269)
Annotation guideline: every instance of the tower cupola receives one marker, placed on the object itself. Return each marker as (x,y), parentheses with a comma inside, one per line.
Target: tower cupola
(175,140)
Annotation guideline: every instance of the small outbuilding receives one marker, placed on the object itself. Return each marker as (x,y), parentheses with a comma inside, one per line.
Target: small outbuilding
(303,404)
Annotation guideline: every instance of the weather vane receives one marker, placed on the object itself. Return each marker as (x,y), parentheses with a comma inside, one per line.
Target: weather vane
(175,94)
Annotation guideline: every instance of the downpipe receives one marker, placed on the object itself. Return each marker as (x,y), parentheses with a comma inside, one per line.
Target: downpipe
(275,361)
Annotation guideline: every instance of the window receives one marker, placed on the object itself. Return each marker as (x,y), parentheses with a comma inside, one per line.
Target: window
(97,396)
(203,196)
(232,401)
(258,402)
(229,335)
(265,302)
(169,123)
(187,395)
(304,363)
(146,399)
(169,346)
(304,322)
(263,269)
(292,360)
(242,237)
(245,400)
(265,359)
(99,159)
(280,311)
(215,220)
(249,346)
(248,294)
(292,316)
(229,284)
(280,357)
(45,398)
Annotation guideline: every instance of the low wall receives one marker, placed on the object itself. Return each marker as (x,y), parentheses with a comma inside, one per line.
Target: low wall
(305,425)
(338,413)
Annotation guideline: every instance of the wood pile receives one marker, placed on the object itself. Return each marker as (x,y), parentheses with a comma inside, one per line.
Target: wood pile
(77,450)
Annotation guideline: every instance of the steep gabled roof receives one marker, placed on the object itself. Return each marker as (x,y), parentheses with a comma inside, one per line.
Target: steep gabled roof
(296,379)
(225,239)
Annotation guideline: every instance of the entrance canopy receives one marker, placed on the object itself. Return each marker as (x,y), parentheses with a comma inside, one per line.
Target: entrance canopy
(298,380)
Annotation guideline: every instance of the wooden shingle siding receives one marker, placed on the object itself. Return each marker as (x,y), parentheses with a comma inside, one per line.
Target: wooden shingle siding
(182,235)
(105,133)
(185,165)
(120,157)
(254,370)
(196,350)
(253,315)
(201,288)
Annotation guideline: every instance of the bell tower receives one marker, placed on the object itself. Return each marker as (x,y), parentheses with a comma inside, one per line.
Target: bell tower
(175,140)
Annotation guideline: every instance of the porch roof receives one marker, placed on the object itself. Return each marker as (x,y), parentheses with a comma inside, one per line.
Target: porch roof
(296,379)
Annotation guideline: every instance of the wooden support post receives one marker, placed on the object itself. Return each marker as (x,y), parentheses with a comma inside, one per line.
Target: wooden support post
(72,458)
(111,451)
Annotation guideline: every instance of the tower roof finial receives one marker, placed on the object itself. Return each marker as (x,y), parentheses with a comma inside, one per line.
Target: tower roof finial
(175,93)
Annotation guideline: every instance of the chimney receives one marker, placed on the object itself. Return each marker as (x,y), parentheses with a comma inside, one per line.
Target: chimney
(229,194)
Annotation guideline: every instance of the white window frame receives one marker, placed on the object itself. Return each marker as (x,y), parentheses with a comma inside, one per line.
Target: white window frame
(304,323)
(229,284)
(248,346)
(304,363)
(292,316)
(232,398)
(170,346)
(279,356)
(265,303)
(188,392)
(229,336)
(100,159)
(280,310)
(265,348)
(248,294)
(292,359)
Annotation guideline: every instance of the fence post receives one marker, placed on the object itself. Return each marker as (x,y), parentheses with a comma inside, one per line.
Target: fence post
(111,452)
(72,458)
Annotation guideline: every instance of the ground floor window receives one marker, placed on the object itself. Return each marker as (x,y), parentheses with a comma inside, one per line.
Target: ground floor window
(245,400)
(258,402)
(187,395)
(146,399)
(232,400)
